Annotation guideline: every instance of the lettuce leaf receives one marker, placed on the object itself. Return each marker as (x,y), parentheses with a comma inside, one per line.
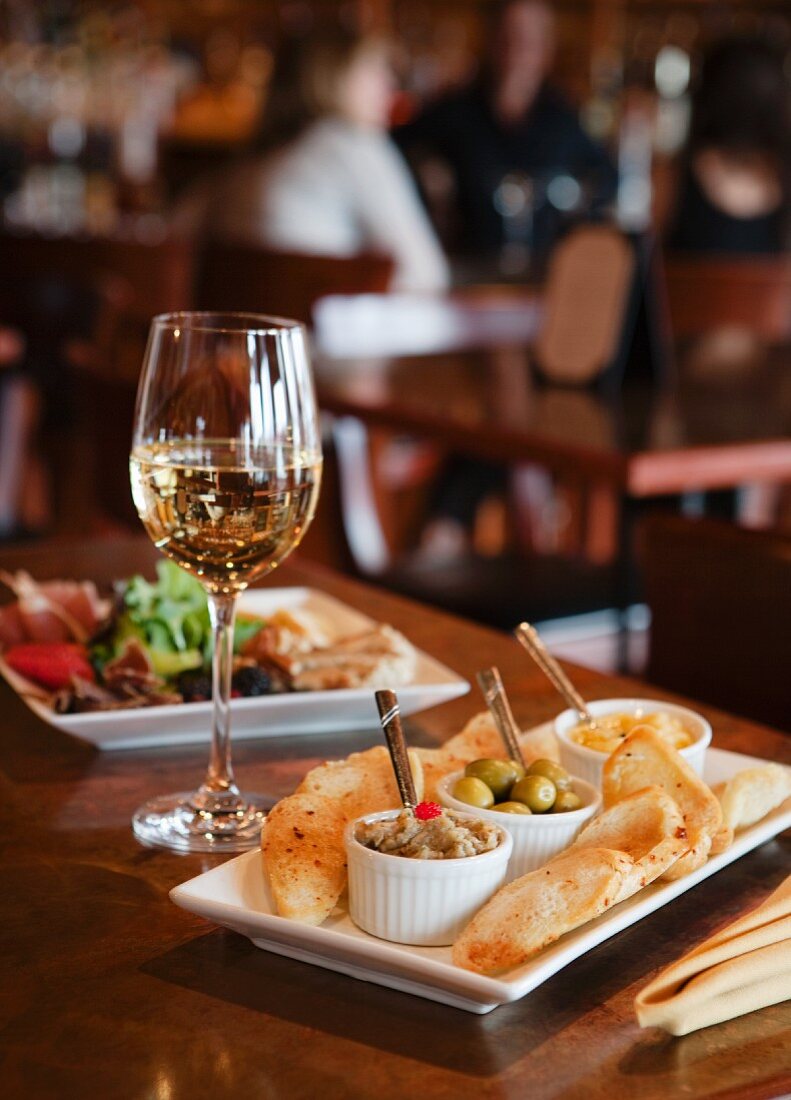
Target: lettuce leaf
(171,619)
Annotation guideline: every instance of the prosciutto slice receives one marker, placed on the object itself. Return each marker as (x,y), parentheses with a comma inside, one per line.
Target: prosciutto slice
(52,611)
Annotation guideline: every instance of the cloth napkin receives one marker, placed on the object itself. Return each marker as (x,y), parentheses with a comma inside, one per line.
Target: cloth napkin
(743,967)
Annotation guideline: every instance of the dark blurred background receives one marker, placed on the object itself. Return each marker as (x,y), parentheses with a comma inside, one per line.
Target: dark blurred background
(109,110)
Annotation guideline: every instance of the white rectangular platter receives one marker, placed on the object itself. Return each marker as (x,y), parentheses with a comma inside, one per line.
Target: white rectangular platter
(305,712)
(236,896)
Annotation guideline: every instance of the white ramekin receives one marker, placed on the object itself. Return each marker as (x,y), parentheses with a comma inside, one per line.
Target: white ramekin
(589,763)
(425,902)
(537,837)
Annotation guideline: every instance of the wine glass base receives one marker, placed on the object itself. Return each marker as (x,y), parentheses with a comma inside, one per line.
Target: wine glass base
(171,821)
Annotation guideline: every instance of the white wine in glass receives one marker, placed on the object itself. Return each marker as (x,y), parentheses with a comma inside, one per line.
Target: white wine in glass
(225,469)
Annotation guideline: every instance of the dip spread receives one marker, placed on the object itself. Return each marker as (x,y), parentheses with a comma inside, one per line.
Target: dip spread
(446,836)
(613,728)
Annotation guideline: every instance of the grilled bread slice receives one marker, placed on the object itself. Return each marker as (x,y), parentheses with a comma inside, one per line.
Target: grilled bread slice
(647,826)
(721,840)
(752,794)
(302,842)
(646,759)
(302,838)
(537,909)
(480,739)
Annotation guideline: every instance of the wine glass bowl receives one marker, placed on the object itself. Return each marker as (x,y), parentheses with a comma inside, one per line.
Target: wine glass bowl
(225,469)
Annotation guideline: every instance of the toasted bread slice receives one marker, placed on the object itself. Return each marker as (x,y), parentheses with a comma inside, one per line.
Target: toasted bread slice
(361,779)
(302,842)
(646,759)
(748,797)
(647,826)
(752,794)
(436,764)
(721,840)
(539,744)
(537,909)
(302,837)
(691,860)
(479,739)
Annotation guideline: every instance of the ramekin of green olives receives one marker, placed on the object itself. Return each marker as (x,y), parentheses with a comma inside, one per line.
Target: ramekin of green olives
(542,807)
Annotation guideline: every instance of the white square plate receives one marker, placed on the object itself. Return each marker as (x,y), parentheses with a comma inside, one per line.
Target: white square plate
(302,712)
(236,896)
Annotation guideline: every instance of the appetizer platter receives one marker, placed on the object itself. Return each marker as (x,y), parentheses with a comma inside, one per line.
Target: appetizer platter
(131,670)
(662,830)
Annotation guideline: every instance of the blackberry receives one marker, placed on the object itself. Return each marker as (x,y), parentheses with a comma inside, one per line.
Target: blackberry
(195,686)
(251,680)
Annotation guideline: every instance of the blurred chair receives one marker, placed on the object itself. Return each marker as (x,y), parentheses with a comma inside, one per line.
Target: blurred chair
(104,418)
(596,285)
(720,599)
(498,590)
(230,278)
(283,284)
(705,294)
(53,313)
(105,412)
(585,304)
(159,273)
(587,310)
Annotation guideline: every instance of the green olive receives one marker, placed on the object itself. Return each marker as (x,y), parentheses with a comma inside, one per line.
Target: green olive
(473,792)
(512,808)
(566,801)
(536,791)
(498,775)
(548,768)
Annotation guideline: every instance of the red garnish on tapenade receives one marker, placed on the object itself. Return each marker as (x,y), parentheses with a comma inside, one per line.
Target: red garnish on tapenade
(425,811)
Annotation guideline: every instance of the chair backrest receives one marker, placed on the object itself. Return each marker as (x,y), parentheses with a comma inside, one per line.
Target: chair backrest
(587,291)
(159,274)
(720,599)
(285,284)
(50,310)
(705,294)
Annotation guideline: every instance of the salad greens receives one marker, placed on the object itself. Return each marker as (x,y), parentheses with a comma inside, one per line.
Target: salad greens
(170,618)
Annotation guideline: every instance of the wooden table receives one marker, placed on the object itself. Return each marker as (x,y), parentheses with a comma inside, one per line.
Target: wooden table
(705,429)
(113,992)
(708,430)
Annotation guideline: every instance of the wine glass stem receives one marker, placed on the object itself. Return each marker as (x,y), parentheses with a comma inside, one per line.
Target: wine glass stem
(218,793)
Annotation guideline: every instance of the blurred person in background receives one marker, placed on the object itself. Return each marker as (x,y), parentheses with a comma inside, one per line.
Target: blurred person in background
(734,189)
(511,125)
(326,177)
(520,165)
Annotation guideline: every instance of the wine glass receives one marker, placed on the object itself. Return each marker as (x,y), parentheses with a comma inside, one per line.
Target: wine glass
(225,470)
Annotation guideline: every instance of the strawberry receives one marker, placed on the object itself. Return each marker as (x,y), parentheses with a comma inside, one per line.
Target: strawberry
(50,664)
